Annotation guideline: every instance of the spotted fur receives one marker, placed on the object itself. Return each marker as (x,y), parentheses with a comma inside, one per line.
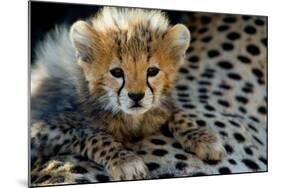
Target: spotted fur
(212,80)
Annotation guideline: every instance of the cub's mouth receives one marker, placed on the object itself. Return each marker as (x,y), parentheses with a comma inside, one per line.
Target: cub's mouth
(136,105)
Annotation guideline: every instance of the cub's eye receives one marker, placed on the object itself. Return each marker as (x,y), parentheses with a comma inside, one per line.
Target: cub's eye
(117,72)
(152,71)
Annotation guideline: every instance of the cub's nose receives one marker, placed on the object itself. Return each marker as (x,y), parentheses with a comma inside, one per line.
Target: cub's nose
(136,96)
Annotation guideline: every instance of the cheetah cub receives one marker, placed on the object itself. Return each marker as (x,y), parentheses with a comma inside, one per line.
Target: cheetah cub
(107,81)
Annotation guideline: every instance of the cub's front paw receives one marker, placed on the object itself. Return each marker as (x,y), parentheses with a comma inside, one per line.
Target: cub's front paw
(206,145)
(126,165)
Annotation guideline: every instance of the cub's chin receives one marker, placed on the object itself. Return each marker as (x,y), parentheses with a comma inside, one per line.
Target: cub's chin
(135,110)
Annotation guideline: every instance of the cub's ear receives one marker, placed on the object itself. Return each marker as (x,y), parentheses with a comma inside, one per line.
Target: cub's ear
(177,40)
(82,38)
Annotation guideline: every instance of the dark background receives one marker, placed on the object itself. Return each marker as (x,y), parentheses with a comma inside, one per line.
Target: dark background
(45,15)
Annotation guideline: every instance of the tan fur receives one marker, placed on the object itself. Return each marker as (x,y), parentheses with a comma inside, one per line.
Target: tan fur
(134,46)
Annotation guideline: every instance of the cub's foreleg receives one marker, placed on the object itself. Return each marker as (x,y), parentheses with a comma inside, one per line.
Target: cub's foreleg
(96,145)
(201,141)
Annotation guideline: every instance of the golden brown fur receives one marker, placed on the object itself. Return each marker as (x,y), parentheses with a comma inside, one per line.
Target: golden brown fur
(134,47)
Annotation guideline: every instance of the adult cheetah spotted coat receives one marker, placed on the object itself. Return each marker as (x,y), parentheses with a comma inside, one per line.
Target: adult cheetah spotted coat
(221,85)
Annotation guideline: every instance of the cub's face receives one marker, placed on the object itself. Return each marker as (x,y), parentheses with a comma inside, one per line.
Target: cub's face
(137,86)
(132,71)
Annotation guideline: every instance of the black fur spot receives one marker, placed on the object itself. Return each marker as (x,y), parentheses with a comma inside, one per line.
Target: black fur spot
(223,103)
(209,107)
(203,97)
(234,76)
(223,28)
(262,110)
(183,70)
(260,81)
(225,86)
(213,53)
(253,49)
(252,127)
(227,46)
(263,160)
(228,148)
(232,161)
(239,137)
(211,162)
(242,109)
(250,29)
(159,152)
(181,87)
(152,166)
(205,19)
(259,22)
(246,17)
(183,95)
(225,65)
(190,106)
(206,39)
(234,123)
(181,165)
(177,145)
(251,164)
(201,123)
(241,99)
(204,83)
(208,115)
(254,119)
(258,140)
(78,170)
(203,30)
(180,157)
(218,93)
(233,36)
(158,141)
(248,150)
(247,90)
(258,73)
(219,124)
(223,133)
(183,100)
(106,143)
(193,59)
(202,90)
(229,19)
(190,78)
(207,75)
(244,59)
(224,170)
(102,178)
(264,41)
(43,178)
(199,174)
(102,153)
(141,152)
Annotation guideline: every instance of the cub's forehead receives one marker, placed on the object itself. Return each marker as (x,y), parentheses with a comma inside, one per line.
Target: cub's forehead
(132,31)
(110,18)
